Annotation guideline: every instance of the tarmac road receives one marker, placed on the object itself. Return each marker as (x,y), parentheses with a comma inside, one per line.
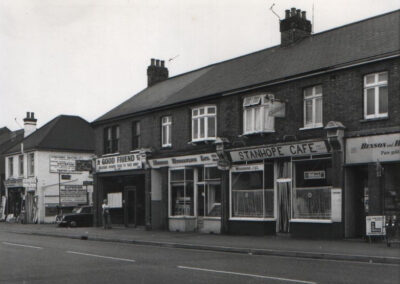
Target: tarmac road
(40,259)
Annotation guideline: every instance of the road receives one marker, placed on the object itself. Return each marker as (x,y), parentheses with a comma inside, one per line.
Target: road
(38,259)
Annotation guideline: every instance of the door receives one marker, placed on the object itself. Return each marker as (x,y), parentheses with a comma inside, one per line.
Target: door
(284,189)
(361,201)
(130,206)
(200,206)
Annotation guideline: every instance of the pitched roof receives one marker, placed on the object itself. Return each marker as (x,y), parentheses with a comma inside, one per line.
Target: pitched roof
(63,133)
(10,138)
(371,38)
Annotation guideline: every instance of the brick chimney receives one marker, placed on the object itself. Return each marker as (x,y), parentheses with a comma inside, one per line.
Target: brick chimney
(156,72)
(294,27)
(29,123)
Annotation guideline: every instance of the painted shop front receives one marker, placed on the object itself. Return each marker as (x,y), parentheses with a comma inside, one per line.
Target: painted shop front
(285,188)
(372,179)
(186,193)
(122,181)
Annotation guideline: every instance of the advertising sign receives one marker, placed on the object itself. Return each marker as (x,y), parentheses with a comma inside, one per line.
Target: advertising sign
(314,175)
(119,163)
(375,225)
(72,194)
(114,200)
(377,148)
(202,159)
(29,183)
(83,165)
(336,204)
(62,163)
(279,150)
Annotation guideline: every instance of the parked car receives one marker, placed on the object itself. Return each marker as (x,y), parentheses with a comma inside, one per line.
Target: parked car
(81,216)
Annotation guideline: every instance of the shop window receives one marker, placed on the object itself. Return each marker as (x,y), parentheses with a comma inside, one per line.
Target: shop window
(376,95)
(51,211)
(312,189)
(209,192)
(31,164)
(136,135)
(111,139)
(204,123)
(181,192)
(256,115)
(21,165)
(392,189)
(11,166)
(313,107)
(166,123)
(252,191)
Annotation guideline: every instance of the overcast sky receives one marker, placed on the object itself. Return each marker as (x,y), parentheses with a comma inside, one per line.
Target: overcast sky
(84,57)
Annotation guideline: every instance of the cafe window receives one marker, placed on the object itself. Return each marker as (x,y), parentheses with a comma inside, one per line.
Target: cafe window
(204,123)
(376,95)
(11,166)
(111,139)
(136,135)
(31,164)
(181,192)
(21,165)
(312,189)
(252,191)
(166,123)
(208,192)
(256,115)
(313,107)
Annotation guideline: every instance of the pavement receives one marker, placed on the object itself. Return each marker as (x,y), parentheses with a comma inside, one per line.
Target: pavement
(348,250)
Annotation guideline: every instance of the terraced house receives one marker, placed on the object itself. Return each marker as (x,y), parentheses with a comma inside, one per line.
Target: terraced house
(292,139)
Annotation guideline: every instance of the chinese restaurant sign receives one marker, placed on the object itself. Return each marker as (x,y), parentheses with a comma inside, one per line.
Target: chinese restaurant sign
(382,148)
(277,151)
(118,163)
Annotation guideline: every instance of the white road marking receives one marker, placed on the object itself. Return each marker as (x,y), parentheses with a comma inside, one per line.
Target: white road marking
(20,245)
(246,274)
(101,256)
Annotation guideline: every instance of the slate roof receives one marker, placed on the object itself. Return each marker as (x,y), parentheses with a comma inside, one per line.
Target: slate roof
(63,133)
(353,43)
(9,138)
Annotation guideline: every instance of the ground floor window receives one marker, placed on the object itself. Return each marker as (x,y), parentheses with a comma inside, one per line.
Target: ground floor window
(208,192)
(181,192)
(252,191)
(392,189)
(311,197)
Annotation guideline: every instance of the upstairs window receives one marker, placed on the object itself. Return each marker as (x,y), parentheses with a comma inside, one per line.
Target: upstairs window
(256,115)
(376,95)
(21,165)
(166,123)
(313,107)
(111,139)
(136,135)
(204,123)
(11,166)
(31,164)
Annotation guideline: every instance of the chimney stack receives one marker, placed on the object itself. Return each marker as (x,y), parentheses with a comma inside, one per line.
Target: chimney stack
(156,72)
(294,27)
(29,123)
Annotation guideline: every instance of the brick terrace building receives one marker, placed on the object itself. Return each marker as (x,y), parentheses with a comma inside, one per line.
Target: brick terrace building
(257,144)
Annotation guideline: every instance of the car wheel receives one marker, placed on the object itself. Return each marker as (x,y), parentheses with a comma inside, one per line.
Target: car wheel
(72,224)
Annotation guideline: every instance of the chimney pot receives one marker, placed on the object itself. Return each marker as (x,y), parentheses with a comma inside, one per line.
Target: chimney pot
(287,14)
(152,61)
(303,15)
(162,63)
(32,115)
(27,114)
(157,62)
(298,14)
(293,12)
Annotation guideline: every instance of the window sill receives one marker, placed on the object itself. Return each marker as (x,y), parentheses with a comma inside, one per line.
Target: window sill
(182,217)
(110,154)
(311,221)
(166,147)
(374,119)
(251,219)
(312,127)
(258,133)
(205,141)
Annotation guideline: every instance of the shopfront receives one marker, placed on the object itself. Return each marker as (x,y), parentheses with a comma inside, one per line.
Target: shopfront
(193,193)
(372,179)
(284,188)
(122,181)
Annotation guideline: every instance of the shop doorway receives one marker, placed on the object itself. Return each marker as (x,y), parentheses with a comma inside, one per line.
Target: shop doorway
(361,201)
(131,206)
(284,189)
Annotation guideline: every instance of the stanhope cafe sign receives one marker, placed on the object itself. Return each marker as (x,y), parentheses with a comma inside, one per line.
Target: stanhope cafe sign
(279,150)
(119,163)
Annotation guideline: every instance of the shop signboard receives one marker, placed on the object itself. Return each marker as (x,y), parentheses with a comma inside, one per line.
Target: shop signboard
(375,225)
(62,163)
(29,183)
(371,149)
(279,150)
(248,168)
(119,163)
(14,182)
(190,160)
(314,175)
(72,194)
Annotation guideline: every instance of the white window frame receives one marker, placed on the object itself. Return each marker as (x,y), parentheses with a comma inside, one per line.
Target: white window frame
(313,97)
(21,166)
(261,103)
(31,164)
(375,85)
(166,129)
(196,118)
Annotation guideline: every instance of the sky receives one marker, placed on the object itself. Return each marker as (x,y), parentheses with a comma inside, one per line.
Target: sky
(85,57)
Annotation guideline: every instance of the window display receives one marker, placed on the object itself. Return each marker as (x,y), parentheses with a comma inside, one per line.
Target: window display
(181,192)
